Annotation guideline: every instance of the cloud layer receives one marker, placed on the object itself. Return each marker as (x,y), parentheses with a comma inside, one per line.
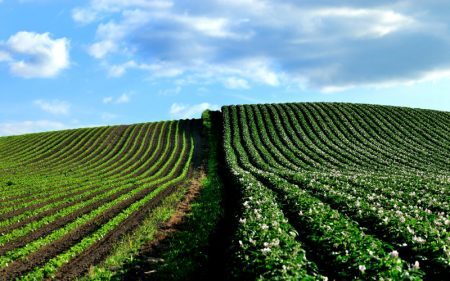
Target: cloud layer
(24,127)
(55,107)
(123,98)
(312,43)
(186,111)
(35,55)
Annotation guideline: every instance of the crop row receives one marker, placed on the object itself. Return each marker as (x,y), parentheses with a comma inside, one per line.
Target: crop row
(76,187)
(366,187)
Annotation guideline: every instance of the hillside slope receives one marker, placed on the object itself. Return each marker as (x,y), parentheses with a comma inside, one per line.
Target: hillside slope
(340,190)
(305,191)
(68,197)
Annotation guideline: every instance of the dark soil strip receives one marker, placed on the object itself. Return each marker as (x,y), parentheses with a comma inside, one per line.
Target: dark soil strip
(116,142)
(221,239)
(139,270)
(19,211)
(141,156)
(62,144)
(43,147)
(208,258)
(130,151)
(36,206)
(22,241)
(31,143)
(62,206)
(115,138)
(142,169)
(31,198)
(71,217)
(111,138)
(100,250)
(113,135)
(41,256)
(81,148)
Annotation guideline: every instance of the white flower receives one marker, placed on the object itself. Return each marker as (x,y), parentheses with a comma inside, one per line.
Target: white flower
(394,254)
(362,268)
(416,265)
(419,240)
(266,250)
(241,244)
(264,226)
(242,220)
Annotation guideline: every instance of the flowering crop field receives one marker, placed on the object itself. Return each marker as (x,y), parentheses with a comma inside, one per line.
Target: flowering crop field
(299,191)
(68,197)
(339,191)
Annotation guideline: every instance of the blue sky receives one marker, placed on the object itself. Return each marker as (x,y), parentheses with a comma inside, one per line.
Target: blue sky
(67,64)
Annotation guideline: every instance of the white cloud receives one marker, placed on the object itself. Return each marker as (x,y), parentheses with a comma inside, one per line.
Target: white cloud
(110,35)
(100,49)
(255,69)
(4,56)
(83,15)
(423,77)
(209,26)
(23,127)
(170,92)
(98,7)
(124,98)
(107,100)
(317,44)
(235,83)
(106,116)
(55,107)
(361,22)
(36,55)
(159,69)
(186,111)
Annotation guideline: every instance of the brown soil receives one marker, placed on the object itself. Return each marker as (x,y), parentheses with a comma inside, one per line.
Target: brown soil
(49,212)
(67,219)
(172,225)
(100,250)
(51,150)
(76,214)
(42,204)
(28,198)
(22,241)
(151,250)
(41,256)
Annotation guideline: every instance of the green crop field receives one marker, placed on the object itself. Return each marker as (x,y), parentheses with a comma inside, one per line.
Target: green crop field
(66,197)
(299,191)
(340,191)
